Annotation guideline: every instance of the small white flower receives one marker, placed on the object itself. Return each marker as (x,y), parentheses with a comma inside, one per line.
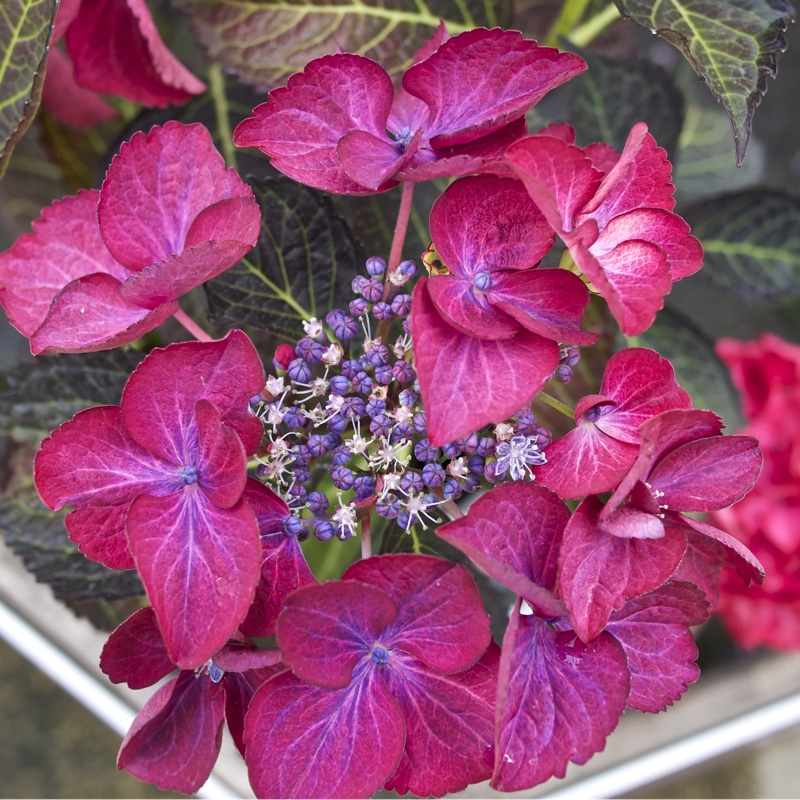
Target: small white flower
(503,432)
(458,468)
(332,355)
(275,386)
(312,327)
(345,517)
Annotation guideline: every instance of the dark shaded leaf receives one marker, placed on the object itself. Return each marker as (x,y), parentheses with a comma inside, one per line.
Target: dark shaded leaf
(733,46)
(302,266)
(265,41)
(36,398)
(751,242)
(613,95)
(38,536)
(697,367)
(25,29)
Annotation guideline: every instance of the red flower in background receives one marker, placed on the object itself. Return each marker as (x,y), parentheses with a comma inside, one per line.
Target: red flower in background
(767,373)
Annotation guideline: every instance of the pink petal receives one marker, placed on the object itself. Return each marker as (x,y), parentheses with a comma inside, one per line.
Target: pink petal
(707,474)
(585,461)
(639,179)
(599,572)
(466,382)
(68,102)
(200,566)
(220,237)
(99,532)
(90,314)
(550,302)
(65,13)
(513,533)
(360,729)
(701,565)
(371,160)
(654,632)
(135,652)
(481,80)
(158,403)
(456,301)
(175,739)
(440,617)
(221,461)
(449,726)
(633,278)
(558,700)
(485,223)
(150,200)
(325,630)
(301,125)
(557,175)
(116,49)
(93,460)
(632,523)
(65,245)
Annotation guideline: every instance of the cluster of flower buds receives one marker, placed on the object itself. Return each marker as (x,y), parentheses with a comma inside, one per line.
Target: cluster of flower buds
(345,401)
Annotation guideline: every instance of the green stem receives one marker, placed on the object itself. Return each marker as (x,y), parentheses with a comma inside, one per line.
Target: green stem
(400,228)
(366,536)
(191,326)
(216,81)
(569,16)
(453,511)
(593,27)
(556,404)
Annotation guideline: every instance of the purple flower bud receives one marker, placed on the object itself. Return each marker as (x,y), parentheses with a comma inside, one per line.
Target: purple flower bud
(353,408)
(362,383)
(408,269)
(359,306)
(376,266)
(340,385)
(375,407)
(472,483)
(569,355)
(485,446)
(378,355)
(402,432)
(350,368)
(317,503)
(300,370)
(294,417)
(333,315)
(322,530)
(407,325)
(310,350)
(563,373)
(301,473)
(363,486)
(255,401)
(379,656)
(490,472)
(383,374)
(411,483)
(342,478)
(345,328)
(482,281)
(452,489)
(300,454)
(357,283)
(341,455)
(403,372)
(475,464)
(401,305)
(333,439)
(433,475)
(407,398)
(337,424)
(468,443)
(382,311)
(380,425)
(451,450)
(291,526)
(420,423)
(543,437)
(317,445)
(298,495)
(425,451)
(526,424)
(372,290)
(388,507)
(405,521)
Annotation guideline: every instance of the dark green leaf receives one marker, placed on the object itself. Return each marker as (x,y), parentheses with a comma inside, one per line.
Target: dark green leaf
(302,266)
(38,536)
(265,41)
(751,242)
(698,368)
(613,95)
(36,398)
(25,29)
(732,45)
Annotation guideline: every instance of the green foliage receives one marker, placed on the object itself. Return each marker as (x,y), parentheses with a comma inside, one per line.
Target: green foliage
(613,95)
(732,45)
(25,28)
(302,266)
(265,41)
(751,242)
(698,368)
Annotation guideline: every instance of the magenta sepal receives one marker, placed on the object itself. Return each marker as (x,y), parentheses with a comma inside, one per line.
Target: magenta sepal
(175,739)
(283,566)
(654,632)
(599,571)
(440,617)
(360,729)
(116,49)
(558,700)
(594,457)
(469,382)
(199,565)
(498,536)
(449,726)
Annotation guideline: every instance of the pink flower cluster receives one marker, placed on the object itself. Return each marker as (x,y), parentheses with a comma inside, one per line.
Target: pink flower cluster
(767,521)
